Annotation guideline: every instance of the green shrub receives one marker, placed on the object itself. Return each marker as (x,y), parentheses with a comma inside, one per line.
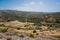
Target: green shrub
(4,29)
(26,25)
(31,35)
(37,24)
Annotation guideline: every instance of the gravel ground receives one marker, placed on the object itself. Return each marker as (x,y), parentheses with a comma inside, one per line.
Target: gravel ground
(14,37)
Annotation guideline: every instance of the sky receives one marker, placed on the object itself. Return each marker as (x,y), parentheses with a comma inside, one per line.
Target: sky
(31,5)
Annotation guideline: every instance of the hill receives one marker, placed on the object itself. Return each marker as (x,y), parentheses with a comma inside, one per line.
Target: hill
(31,24)
(10,15)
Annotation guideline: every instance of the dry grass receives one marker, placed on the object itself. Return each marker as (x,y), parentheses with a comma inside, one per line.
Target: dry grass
(21,25)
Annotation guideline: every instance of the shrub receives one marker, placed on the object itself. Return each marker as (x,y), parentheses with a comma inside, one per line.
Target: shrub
(37,34)
(38,24)
(31,35)
(9,38)
(18,28)
(21,36)
(4,29)
(26,25)
(34,31)
(2,25)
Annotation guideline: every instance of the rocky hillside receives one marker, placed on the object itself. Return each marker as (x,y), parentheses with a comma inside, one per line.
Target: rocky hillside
(9,15)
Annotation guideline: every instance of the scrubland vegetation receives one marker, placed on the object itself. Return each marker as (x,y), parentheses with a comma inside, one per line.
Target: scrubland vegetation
(29,26)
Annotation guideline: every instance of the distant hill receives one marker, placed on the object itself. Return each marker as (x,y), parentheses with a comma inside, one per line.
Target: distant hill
(9,15)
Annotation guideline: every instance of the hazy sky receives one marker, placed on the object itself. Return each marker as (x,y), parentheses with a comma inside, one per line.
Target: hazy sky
(31,5)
